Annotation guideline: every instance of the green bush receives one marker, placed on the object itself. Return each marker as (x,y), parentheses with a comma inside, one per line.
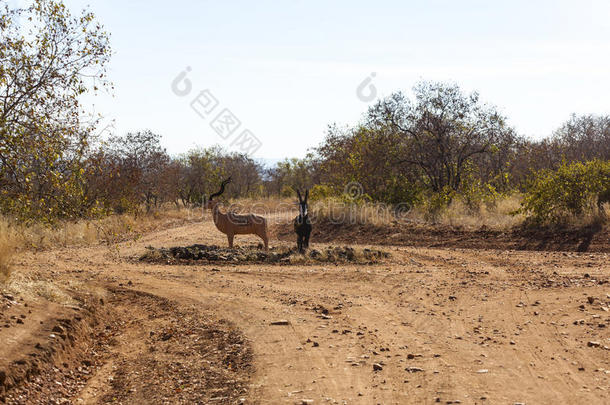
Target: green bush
(571,191)
(320,192)
(434,203)
(474,193)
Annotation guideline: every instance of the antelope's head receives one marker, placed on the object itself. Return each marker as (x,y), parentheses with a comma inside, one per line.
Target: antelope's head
(303,203)
(211,203)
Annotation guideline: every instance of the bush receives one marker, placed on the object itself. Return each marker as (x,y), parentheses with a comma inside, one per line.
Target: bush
(288,192)
(474,193)
(320,192)
(434,203)
(571,191)
(7,249)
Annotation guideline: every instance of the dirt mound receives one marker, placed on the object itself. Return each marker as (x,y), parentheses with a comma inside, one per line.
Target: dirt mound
(592,238)
(43,341)
(248,255)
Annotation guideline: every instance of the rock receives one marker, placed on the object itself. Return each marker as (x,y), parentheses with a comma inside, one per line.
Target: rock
(591,300)
(483,371)
(414,369)
(377,367)
(593,344)
(315,344)
(280,322)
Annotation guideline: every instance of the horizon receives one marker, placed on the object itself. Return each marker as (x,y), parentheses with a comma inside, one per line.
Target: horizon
(288,72)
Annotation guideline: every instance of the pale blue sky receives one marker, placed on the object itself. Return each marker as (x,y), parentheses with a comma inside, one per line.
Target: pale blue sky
(288,68)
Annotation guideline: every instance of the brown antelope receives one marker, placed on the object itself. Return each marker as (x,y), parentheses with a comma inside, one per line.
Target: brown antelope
(232,224)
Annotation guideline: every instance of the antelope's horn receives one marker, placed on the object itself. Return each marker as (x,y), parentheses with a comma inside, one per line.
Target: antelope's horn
(222,188)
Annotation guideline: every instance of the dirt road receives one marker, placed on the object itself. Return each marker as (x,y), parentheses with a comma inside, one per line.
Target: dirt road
(426,326)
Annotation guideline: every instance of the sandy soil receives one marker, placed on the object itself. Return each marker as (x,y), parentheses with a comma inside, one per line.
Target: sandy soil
(427,325)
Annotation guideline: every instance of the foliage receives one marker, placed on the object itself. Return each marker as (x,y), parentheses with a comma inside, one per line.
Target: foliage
(440,132)
(320,192)
(46,65)
(570,191)
(433,203)
(474,192)
(291,174)
(287,192)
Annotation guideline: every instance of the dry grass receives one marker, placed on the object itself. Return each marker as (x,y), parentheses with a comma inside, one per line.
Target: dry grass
(112,229)
(264,205)
(7,250)
(497,216)
(336,211)
(15,237)
(457,214)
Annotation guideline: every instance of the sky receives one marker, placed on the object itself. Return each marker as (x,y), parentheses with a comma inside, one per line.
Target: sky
(287,69)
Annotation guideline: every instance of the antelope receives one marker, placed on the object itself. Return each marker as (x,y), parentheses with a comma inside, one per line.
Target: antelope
(232,224)
(302,226)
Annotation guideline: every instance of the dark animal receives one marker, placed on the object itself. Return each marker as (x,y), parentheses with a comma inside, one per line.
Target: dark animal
(302,226)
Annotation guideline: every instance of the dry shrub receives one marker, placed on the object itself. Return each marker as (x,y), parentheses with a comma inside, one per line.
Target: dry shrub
(7,249)
(111,229)
(363,212)
(267,205)
(499,215)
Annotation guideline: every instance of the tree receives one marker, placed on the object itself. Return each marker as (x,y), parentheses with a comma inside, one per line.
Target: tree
(245,174)
(143,163)
(199,173)
(291,174)
(584,138)
(439,132)
(48,59)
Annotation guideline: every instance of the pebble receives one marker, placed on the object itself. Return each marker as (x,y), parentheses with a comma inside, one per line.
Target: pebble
(280,322)
(593,344)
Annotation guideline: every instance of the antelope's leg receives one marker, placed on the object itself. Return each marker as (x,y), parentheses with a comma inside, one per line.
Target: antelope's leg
(265,239)
(306,242)
(230,238)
